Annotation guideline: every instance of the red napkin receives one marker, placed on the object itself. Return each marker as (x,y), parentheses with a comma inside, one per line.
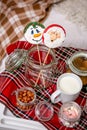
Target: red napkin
(10,82)
(18,45)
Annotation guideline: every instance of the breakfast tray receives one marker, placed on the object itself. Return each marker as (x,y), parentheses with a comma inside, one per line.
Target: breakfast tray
(8,121)
(9,82)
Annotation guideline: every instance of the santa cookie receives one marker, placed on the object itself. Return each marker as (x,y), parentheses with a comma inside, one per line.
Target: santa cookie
(54,35)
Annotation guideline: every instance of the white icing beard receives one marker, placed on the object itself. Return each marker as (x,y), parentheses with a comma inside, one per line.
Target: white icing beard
(55,43)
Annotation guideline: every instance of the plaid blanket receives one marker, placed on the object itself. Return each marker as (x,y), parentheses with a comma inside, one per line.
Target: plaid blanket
(9,82)
(15,15)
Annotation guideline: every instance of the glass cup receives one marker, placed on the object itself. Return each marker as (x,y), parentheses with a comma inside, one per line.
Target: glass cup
(69,114)
(26,98)
(85,107)
(44,111)
(40,65)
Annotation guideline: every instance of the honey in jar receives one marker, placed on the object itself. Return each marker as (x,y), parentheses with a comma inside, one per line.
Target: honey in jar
(77,64)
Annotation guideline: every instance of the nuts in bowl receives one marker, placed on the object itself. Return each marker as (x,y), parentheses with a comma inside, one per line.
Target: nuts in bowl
(26,98)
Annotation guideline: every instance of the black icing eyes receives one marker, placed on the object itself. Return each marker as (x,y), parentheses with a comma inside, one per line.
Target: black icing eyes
(37,31)
(32,32)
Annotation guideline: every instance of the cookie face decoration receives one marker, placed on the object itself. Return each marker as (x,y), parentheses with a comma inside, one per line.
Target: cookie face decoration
(54,35)
(33,32)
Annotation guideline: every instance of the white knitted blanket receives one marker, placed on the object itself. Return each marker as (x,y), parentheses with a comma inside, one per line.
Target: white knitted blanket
(75,11)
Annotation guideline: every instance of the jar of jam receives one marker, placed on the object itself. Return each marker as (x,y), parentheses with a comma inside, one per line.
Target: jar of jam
(77,64)
(40,65)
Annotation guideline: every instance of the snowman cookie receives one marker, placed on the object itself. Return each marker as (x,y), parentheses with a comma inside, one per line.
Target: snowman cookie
(33,32)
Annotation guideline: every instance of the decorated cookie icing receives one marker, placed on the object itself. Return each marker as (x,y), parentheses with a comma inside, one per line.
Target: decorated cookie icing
(54,35)
(33,32)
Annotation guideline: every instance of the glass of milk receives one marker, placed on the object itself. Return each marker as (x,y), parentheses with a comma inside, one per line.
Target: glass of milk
(69,86)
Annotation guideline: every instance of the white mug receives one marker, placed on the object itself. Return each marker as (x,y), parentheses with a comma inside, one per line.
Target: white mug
(69,86)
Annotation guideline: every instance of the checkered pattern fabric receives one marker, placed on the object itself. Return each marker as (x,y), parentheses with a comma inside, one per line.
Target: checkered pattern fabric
(15,15)
(9,82)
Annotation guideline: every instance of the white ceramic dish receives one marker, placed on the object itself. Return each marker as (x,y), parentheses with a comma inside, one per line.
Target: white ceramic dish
(9,122)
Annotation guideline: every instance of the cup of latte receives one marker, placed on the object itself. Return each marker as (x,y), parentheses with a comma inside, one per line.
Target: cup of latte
(69,86)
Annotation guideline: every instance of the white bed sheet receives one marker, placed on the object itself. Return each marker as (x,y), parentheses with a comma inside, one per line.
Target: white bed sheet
(75,35)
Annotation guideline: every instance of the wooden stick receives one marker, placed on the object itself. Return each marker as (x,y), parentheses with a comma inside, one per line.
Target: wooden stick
(46,56)
(41,70)
(39,54)
(40,64)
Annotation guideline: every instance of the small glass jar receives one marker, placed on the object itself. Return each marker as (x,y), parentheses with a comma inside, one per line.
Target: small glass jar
(15,59)
(44,111)
(26,98)
(85,107)
(77,64)
(40,64)
(69,114)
